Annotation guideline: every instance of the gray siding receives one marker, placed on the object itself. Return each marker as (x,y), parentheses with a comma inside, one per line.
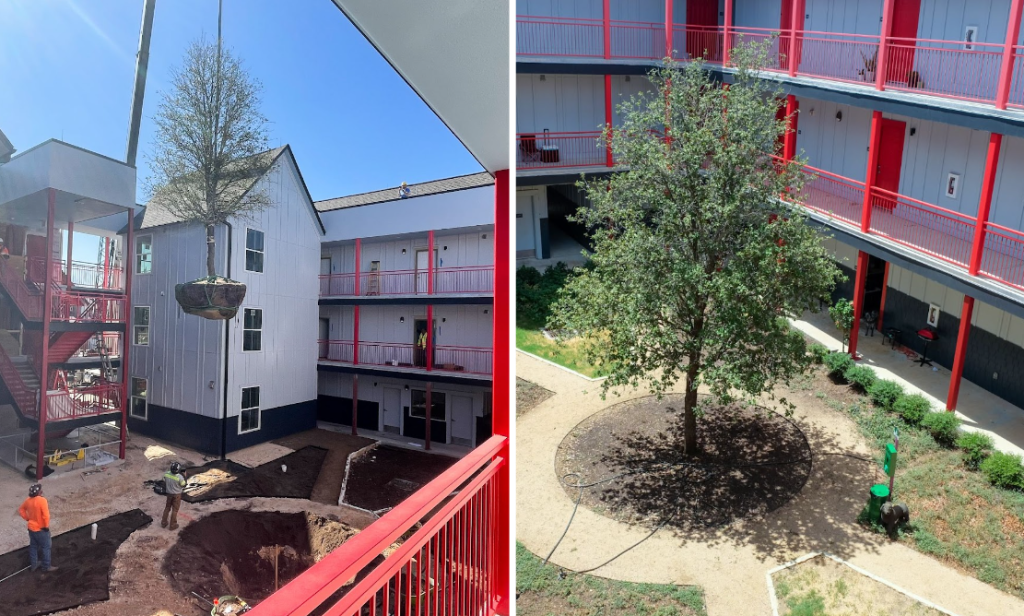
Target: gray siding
(570,103)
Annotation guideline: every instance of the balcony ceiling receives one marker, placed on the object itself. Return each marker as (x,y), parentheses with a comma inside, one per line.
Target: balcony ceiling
(455,55)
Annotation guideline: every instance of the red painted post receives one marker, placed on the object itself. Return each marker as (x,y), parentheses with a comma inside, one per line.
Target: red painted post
(872,171)
(796,24)
(430,262)
(359,255)
(1006,69)
(608,118)
(961,352)
(789,139)
(882,60)
(129,272)
(727,29)
(501,390)
(885,287)
(355,335)
(668,28)
(426,431)
(71,246)
(607,16)
(858,299)
(430,337)
(51,203)
(355,404)
(106,259)
(988,185)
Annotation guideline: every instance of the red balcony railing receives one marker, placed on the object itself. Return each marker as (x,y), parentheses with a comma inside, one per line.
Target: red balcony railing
(83,402)
(691,42)
(558,150)
(88,307)
(777,51)
(336,350)
(449,565)
(833,195)
(29,303)
(929,228)
(1003,256)
(839,57)
(472,360)
(24,397)
(637,39)
(560,36)
(945,68)
(1017,78)
(470,279)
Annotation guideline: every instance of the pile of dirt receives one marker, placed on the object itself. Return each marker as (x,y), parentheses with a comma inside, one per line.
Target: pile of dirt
(227,552)
(751,461)
(332,474)
(388,475)
(227,479)
(83,574)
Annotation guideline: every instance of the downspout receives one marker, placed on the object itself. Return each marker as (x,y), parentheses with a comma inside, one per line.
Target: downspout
(227,356)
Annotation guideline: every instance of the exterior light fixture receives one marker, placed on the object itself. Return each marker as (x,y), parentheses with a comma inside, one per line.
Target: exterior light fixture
(403,251)
(401,319)
(913,131)
(839,116)
(543,77)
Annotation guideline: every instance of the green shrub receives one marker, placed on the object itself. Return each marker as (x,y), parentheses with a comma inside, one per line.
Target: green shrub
(1004,470)
(885,393)
(976,446)
(912,408)
(818,352)
(944,426)
(838,363)
(535,292)
(861,376)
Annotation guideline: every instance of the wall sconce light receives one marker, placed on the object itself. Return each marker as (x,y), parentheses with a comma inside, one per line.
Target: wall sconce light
(810,111)
(839,116)
(543,77)
(486,311)
(484,236)
(444,248)
(627,78)
(401,319)
(913,131)
(444,320)
(403,251)
(406,388)
(375,383)
(211,385)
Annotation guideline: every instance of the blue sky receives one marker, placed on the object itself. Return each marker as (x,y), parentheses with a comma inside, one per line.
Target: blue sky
(67,68)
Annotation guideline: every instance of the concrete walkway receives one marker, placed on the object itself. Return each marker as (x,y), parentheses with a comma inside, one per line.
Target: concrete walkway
(979,409)
(728,563)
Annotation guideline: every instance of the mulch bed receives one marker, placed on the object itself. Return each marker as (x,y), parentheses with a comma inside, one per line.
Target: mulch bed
(227,479)
(339,447)
(388,475)
(83,574)
(751,462)
(529,395)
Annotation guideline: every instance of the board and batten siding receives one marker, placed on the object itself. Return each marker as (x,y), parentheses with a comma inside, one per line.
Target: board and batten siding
(287,291)
(457,325)
(571,103)
(831,145)
(621,10)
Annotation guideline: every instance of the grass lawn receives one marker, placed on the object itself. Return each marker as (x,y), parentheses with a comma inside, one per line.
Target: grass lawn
(955,514)
(541,592)
(566,354)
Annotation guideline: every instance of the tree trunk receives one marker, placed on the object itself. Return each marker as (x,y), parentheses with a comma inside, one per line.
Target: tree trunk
(211,250)
(689,415)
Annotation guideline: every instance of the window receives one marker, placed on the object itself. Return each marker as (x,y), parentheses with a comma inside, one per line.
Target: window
(249,419)
(138,406)
(144,254)
(419,405)
(140,322)
(252,329)
(253,250)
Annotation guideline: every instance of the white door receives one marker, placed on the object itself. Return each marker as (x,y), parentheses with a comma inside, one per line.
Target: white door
(392,410)
(422,267)
(462,420)
(524,224)
(325,266)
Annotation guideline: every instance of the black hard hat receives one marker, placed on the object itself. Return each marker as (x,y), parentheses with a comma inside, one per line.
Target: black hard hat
(35,489)
(175,467)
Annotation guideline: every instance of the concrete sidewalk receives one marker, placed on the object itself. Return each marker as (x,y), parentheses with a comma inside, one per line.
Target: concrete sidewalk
(979,409)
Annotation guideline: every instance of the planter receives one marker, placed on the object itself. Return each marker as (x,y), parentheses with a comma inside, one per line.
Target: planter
(213,298)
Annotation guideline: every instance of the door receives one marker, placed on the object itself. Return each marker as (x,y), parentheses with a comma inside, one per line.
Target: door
(462,420)
(890,160)
(702,38)
(323,334)
(422,269)
(905,17)
(419,355)
(392,420)
(785,23)
(525,245)
(35,258)
(325,266)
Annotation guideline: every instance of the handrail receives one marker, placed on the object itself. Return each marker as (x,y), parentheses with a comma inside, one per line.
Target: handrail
(447,280)
(23,396)
(923,205)
(317,584)
(78,402)
(30,305)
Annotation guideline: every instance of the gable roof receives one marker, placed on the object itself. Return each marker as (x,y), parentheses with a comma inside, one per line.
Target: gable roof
(156,214)
(423,189)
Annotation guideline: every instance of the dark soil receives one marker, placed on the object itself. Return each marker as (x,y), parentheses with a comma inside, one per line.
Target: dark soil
(529,395)
(388,475)
(227,479)
(83,574)
(220,554)
(339,447)
(750,462)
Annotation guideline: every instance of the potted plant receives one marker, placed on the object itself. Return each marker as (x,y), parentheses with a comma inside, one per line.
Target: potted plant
(210,153)
(868,72)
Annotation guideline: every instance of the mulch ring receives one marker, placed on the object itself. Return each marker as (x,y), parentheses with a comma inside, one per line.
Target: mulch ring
(385,476)
(529,395)
(751,461)
(227,479)
(83,574)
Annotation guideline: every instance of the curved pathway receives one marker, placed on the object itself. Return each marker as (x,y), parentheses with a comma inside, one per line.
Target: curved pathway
(729,563)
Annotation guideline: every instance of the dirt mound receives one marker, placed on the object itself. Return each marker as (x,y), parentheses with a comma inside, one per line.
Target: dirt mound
(221,553)
(387,475)
(229,479)
(83,574)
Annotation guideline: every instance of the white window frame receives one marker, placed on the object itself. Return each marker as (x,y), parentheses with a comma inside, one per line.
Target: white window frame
(245,254)
(257,408)
(260,330)
(132,397)
(136,254)
(136,326)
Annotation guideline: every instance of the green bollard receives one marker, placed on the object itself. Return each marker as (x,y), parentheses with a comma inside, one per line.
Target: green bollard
(879,494)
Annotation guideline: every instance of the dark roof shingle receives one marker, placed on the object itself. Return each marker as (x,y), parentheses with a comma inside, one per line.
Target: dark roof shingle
(462,182)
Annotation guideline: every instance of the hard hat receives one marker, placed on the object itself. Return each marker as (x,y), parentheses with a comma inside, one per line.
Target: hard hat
(35,489)
(175,468)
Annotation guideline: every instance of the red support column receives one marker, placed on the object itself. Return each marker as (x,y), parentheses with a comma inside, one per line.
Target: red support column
(44,380)
(789,140)
(106,260)
(607,18)
(426,431)
(872,171)
(71,246)
(355,404)
(668,28)
(988,184)
(796,23)
(501,386)
(858,299)
(430,337)
(885,287)
(129,272)
(961,352)
(430,262)
(359,255)
(1006,69)
(882,60)
(608,118)
(727,29)
(355,335)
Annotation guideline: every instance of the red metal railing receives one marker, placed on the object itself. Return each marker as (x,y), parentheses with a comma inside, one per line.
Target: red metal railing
(559,36)
(83,402)
(945,68)
(637,39)
(929,228)
(23,396)
(470,279)
(88,307)
(1003,256)
(396,354)
(29,303)
(448,566)
(95,276)
(777,59)
(474,360)
(690,42)
(1017,78)
(832,195)
(840,57)
(556,150)
(336,350)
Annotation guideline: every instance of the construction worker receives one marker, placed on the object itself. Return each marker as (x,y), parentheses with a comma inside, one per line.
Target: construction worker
(36,511)
(174,483)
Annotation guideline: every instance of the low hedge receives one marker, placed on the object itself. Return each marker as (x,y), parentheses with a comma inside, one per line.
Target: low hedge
(838,363)
(976,447)
(912,408)
(885,393)
(1004,470)
(818,352)
(944,426)
(861,376)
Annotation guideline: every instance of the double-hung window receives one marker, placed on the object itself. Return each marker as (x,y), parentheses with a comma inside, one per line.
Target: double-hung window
(140,325)
(144,254)
(140,387)
(252,329)
(249,418)
(253,250)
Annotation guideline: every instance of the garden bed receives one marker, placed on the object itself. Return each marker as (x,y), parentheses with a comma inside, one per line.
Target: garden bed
(388,475)
(227,479)
(529,395)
